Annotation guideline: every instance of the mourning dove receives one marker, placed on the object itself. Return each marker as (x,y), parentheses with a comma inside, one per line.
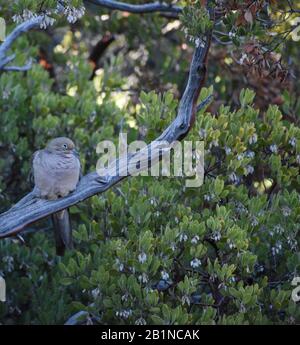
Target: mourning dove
(56,172)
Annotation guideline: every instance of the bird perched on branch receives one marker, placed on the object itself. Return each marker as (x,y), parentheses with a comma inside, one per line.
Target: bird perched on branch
(56,172)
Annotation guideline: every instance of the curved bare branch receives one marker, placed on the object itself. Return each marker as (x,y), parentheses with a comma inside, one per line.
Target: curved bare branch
(156,6)
(30,208)
(5,46)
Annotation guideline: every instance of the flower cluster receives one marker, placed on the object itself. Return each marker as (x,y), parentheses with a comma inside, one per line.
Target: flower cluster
(124,314)
(142,257)
(45,18)
(195,263)
(73,14)
(26,15)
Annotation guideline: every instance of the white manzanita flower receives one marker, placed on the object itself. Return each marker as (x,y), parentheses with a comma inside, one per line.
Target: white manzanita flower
(292,243)
(277,248)
(231,245)
(6,93)
(143,278)
(199,42)
(195,263)
(120,265)
(240,208)
(273,148)
(243,58)
(279,245)
(131,269)
(249,169)
(209,197)
(124,314)
(183,237)
(47,21)
(260,268)
(293,142)
(17,18)
(124,298)
(249,154)
(9,260)
(173,246)
(227,150)
(202,133)
(95,293)
(254,221)
(73,13)
(279,229)
(140,321)
(233,177)
(185,30)
(232,279)
(240,157)
(165,275)
(24,16)
(195,239)
(142,257)
(298,159)
(286,211)
(216,236)
(185,300)
(253,139)
(242,308)
(214,143)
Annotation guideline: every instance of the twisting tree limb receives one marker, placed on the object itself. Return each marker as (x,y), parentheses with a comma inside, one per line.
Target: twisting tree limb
(5,46)
(30,208)
(134,8)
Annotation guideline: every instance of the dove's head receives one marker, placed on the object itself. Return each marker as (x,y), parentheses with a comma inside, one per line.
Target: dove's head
(61,145)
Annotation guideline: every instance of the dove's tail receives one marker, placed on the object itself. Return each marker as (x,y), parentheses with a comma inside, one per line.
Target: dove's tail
(62,231)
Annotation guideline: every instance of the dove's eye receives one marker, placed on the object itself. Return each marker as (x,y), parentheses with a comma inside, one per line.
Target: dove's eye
(65,146)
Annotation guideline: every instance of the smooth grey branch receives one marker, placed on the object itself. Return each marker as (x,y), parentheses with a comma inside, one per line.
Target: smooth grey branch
(5,46)
(156,6)
(30,209)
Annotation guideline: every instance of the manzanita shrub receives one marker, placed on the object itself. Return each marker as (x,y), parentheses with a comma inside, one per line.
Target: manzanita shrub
(150,250)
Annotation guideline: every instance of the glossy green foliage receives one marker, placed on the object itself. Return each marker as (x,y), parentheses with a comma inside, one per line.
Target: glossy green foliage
(149,250)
